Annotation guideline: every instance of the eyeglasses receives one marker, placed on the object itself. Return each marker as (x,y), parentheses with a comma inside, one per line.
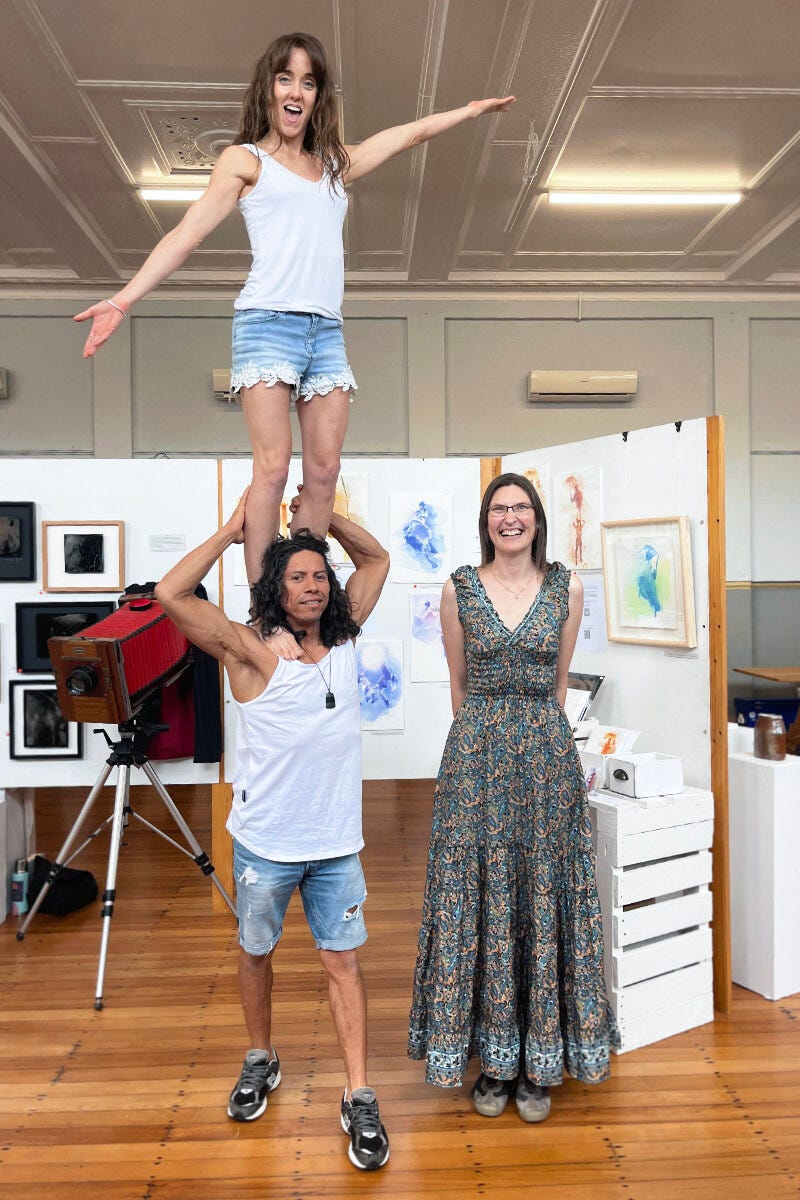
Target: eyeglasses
(519,510)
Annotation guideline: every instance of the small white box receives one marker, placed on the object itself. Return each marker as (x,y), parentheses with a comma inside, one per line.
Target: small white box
(594,765)
(640,775)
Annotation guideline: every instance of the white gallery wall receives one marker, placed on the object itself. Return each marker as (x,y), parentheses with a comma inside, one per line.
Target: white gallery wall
(661,691)
(656,472)
(152,498)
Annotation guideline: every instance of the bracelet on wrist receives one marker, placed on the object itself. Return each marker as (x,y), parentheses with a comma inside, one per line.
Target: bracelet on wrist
(114,304)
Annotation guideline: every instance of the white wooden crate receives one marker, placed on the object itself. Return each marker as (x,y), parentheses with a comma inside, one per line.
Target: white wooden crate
(653,872)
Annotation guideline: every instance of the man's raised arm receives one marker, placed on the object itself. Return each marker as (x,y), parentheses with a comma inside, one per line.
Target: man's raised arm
(204,624)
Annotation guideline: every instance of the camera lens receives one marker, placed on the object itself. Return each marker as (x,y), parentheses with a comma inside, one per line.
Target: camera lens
(81,681)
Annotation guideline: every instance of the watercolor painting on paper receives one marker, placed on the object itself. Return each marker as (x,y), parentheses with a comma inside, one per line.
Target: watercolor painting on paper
(351,501)
(539,475)
(648,579)
(380,685)
(421,537)
(428,662)
(577,511)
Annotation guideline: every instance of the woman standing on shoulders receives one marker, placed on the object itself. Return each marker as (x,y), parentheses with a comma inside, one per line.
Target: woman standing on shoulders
(287,172)
(510,959)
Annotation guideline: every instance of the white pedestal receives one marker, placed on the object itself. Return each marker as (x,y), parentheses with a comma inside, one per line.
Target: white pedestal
(764,815)
(17,835)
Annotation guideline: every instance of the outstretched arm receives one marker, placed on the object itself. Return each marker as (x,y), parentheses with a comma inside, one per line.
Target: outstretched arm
(369,154)
(233,170)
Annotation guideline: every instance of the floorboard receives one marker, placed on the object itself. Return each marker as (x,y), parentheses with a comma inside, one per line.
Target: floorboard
(129,1103)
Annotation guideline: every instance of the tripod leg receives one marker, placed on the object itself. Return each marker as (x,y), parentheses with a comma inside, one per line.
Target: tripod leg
(201,858)
(63,853)
(120,805)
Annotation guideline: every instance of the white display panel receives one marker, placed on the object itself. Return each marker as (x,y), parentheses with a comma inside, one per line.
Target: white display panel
(658,472)
(162,502)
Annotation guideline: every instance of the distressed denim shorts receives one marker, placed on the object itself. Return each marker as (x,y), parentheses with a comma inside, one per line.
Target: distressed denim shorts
(302,349)
(333,891)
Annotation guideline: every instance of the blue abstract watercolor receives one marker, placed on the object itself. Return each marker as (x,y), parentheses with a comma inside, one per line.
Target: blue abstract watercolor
(647,577)
(380,682)
(423,537)
(426,625)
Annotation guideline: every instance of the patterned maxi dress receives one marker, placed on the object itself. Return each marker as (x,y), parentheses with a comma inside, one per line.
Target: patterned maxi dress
(510,953)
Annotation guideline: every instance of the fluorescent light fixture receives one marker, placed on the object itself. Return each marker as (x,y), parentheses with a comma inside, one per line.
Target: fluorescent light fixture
(184,194)
(662,199)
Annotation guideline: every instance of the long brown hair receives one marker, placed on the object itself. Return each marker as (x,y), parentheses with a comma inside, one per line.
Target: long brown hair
(539,543)
(322,132)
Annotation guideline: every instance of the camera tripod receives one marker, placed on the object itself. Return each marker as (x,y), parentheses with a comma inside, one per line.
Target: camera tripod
(129,751)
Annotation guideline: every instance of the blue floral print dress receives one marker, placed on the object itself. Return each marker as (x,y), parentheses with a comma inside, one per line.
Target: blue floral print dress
(510,957)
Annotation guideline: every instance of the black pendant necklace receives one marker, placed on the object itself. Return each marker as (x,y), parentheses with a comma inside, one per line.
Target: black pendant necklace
(330,699)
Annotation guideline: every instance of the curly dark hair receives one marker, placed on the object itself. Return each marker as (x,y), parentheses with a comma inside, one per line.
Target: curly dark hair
(266,598)
(322,135)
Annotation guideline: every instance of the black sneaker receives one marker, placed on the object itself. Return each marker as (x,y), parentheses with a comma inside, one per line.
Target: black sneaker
(260,1075)
(369,1145)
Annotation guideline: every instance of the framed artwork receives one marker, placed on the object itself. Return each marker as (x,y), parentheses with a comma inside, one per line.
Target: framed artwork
(38,622)
(647,568)
(83,556)
(38,728)
(17,552)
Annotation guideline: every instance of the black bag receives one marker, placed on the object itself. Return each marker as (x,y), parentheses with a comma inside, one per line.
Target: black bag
(71,890)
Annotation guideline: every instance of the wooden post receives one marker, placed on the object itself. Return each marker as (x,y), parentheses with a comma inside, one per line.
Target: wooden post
(490,469)
(718,659)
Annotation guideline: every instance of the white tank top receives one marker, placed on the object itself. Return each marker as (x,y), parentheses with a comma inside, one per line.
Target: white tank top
(295,230)
(297,781)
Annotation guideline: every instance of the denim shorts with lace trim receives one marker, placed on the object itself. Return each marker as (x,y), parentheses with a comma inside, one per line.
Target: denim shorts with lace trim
(305,350)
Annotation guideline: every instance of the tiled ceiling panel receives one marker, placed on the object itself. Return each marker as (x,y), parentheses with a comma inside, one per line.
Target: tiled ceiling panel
(685,43)
(97,101)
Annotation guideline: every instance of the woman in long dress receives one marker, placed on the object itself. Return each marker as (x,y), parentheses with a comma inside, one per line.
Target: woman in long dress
(510,958)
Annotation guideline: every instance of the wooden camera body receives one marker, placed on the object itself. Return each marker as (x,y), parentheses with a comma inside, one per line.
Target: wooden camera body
(107,671)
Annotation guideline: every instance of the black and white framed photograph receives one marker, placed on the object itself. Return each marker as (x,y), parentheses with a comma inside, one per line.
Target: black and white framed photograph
(83,556)
(36,622)
(39,729)
(17,557)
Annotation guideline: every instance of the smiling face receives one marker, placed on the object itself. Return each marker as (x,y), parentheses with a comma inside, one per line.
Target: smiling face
(511,533)
(306,590)
(294,94)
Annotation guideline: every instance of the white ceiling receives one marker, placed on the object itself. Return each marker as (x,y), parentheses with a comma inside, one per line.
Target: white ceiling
(97,98)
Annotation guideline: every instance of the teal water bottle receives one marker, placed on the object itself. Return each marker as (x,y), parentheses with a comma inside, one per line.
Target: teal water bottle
(19,888)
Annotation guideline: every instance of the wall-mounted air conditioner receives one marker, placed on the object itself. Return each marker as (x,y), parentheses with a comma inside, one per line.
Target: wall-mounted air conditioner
(221,383)
(582,386)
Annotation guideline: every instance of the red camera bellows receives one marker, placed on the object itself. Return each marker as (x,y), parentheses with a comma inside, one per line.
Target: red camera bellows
(107,671)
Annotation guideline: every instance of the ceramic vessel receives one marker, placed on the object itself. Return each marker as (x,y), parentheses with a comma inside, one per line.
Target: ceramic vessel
(769,740)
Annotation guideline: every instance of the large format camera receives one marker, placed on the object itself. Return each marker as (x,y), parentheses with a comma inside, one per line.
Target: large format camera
(107,671)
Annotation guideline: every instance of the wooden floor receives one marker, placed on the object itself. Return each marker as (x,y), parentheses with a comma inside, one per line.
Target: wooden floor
(129,1103)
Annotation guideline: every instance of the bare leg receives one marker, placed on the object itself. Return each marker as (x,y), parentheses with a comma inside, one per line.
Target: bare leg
(323,424)
(266,411)
(255,989)
(348,1000)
